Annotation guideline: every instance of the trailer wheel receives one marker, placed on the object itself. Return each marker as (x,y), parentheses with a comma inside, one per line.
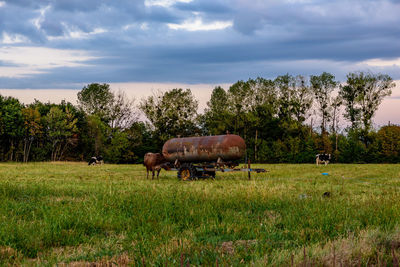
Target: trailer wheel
(186,172)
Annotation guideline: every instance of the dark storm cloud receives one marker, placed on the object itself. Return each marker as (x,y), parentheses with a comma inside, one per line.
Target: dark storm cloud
(132,40)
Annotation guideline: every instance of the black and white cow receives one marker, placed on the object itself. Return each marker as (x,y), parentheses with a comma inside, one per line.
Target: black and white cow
(96,160)
(322,158)
(92,161)
(100,160)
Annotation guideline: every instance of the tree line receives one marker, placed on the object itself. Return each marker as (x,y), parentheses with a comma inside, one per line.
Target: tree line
(286,119)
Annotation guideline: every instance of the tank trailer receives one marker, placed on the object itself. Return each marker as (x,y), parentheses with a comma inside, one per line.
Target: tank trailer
(202,157)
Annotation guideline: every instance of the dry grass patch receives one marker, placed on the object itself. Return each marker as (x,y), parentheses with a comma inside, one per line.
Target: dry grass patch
(230,247)
(120,260)
(10,255)
(369,248)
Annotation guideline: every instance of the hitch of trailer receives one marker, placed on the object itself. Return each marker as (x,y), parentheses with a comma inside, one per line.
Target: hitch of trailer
(224,169)
(244,170)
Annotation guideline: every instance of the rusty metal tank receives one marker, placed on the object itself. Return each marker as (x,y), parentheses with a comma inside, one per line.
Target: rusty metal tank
(228,147)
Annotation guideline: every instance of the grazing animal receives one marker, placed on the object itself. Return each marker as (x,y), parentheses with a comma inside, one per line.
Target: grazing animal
(93,161)
(322,158)
(326,194)
(96,160)
(100,160)
(154,162)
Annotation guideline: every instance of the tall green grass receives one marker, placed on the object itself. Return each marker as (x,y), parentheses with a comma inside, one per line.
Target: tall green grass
(70,212)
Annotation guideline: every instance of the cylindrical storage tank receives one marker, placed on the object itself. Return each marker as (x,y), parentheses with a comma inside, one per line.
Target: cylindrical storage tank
(204,149)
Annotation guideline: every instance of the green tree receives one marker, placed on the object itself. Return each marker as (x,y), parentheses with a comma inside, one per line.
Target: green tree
(284,85)
(262,110)
(108,114)
(122,112)
(118,149)
(171,113)
(95,99)
(336,104)
(32,129)
(11,124)
(216,118)
(362,95)
(295,98)
(302,99)
(389,142)
(141,140)
(350,94)
(239,103)
(96,132)
(61,130)
(323,86)
(376,87)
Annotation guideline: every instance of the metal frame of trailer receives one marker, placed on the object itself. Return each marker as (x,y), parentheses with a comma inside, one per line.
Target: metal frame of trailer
(190,171)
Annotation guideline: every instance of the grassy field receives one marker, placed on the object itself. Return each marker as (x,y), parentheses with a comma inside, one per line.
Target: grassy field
(73,214)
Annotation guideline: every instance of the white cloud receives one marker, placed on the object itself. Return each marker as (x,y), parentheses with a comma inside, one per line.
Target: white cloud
(13,38)
(144,26)
(2,3)
(75,33)
(71,32)
(198,25)
(378,62)
(18,72)
(128,26)
(26,61)
(37,22)
(78,34)
(164,3)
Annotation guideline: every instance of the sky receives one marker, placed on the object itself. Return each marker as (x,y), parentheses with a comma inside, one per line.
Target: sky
(50,49)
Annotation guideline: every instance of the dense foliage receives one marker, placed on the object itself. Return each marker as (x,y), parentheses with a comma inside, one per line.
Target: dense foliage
(287,119)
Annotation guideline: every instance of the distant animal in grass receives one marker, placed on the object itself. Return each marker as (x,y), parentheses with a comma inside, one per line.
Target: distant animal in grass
(100,160)
(96,160)
(322,158)
(154,162)
(326,194)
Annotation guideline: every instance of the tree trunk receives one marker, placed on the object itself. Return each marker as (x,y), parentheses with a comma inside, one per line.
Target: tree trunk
(96,145)
(12,150)
(64,149)
(25,148)
(58,152)
(29,150)
(334,120)
(255,147)
(54,151)
(336,145)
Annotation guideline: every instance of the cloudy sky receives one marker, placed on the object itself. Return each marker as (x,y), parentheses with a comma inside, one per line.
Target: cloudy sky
(145,45)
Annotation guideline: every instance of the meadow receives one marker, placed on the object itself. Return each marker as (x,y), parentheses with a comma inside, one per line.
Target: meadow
(74,214)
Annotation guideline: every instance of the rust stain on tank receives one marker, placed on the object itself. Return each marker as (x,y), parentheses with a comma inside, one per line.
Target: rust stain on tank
(204,149)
